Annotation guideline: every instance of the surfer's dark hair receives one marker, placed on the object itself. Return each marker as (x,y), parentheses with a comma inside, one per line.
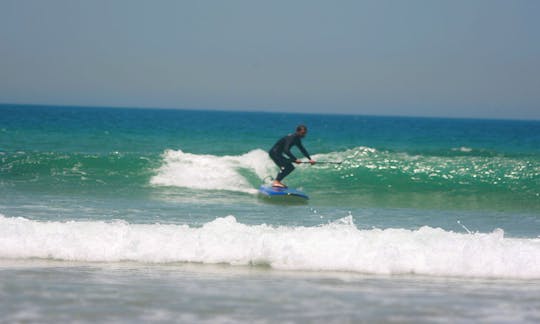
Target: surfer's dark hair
(301,128)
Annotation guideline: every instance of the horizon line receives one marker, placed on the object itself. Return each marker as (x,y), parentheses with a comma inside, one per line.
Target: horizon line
(239,110)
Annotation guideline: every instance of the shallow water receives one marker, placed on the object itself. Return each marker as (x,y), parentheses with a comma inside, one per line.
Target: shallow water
(51,291)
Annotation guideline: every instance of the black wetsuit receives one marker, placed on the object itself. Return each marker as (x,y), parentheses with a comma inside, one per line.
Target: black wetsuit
(281,154)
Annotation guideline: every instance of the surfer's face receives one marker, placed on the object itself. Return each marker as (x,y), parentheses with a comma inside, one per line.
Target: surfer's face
(302,133)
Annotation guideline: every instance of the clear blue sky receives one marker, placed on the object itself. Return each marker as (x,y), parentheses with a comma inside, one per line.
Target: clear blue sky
(421,58)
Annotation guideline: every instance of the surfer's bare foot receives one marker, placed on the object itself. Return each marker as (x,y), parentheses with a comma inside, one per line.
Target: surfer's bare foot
(278,184)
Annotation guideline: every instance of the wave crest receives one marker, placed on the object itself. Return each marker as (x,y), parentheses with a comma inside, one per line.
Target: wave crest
(339,246)
(212,172)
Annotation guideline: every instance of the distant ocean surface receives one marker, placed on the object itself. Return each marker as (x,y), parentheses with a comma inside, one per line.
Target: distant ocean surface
(159,208)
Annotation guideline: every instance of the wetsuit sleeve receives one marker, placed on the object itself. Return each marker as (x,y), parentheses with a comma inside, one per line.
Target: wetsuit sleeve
(303,150)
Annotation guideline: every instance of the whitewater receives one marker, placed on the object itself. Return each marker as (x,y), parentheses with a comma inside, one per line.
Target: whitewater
(338,246)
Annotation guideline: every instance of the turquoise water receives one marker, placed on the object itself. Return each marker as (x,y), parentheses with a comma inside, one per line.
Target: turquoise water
(169,196)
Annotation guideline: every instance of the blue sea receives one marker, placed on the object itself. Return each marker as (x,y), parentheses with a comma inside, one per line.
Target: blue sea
(152,215)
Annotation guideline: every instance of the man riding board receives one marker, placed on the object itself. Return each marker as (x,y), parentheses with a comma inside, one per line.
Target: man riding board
(281,154)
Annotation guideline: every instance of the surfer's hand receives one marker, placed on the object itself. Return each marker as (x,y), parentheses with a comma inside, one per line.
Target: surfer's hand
(297,161)
(312,162)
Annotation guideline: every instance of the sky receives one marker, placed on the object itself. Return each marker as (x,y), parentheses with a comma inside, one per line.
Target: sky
(472,58)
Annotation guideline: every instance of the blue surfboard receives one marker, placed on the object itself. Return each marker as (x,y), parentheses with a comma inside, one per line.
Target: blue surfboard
(271,192)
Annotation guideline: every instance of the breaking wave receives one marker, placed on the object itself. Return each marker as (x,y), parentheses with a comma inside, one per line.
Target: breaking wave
(338,246)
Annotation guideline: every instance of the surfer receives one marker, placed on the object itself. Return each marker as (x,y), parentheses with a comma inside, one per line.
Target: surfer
(281,154)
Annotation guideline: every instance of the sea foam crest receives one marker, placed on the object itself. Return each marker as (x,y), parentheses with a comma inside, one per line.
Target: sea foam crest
(211,172)
(339,246)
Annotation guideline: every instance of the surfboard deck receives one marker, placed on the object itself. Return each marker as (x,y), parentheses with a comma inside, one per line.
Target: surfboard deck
(269,191)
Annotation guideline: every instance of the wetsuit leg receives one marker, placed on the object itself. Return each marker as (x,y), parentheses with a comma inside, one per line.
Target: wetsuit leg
(285,166)
(285,171)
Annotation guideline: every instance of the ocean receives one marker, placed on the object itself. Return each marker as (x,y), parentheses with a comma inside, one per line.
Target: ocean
(138,215)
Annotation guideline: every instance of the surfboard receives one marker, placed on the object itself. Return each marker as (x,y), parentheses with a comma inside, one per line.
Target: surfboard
(270,192)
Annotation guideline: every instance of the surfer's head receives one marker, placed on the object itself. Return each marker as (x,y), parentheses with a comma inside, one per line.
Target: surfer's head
(301,130)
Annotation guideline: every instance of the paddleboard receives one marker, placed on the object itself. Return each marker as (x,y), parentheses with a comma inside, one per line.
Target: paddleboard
(269,191)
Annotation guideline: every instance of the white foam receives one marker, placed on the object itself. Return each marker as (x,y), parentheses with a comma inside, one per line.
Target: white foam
(212,172)
(339,246)
(463,149)
(351,158)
